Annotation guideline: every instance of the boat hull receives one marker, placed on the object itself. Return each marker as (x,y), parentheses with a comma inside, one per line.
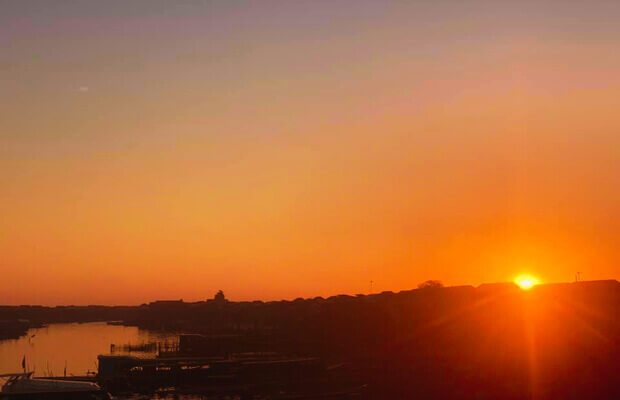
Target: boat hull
(94,395)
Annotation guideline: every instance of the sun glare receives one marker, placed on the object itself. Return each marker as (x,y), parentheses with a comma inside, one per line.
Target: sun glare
(526,282)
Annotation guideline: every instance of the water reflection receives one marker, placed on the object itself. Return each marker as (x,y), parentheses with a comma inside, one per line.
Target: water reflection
(50,349)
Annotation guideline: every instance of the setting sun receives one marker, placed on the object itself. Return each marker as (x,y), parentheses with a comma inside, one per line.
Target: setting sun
(526,282)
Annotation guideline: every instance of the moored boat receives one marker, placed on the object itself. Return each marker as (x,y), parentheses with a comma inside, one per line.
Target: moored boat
(24,387)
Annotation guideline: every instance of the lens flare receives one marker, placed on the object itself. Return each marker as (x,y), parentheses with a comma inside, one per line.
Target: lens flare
(526,282)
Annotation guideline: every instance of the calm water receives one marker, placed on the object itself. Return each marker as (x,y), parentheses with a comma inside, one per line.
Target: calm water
(77,346)
(50,348)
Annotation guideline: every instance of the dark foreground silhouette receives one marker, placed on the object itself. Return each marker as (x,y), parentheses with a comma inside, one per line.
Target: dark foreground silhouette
(556,341)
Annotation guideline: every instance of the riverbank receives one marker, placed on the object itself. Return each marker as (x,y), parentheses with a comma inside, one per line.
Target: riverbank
(14,329)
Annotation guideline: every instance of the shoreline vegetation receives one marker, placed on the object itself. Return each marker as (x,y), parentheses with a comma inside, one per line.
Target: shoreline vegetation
(14,329)
(220,314)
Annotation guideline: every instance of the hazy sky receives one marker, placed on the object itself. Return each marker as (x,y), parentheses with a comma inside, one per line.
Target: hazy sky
(277,149)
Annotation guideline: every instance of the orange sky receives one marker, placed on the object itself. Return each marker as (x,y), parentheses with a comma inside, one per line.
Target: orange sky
(278,150)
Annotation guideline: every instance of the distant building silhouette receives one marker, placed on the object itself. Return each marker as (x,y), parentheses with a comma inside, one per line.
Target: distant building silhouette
(219,297)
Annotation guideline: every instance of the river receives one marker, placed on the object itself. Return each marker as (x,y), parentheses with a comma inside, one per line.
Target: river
(51,349)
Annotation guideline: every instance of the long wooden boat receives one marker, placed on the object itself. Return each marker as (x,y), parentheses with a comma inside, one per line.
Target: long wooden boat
(23,386)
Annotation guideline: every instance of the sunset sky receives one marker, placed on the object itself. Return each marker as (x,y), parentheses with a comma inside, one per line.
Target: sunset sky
(152,149)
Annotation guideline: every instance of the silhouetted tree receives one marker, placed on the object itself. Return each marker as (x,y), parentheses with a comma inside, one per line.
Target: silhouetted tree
(430,284)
